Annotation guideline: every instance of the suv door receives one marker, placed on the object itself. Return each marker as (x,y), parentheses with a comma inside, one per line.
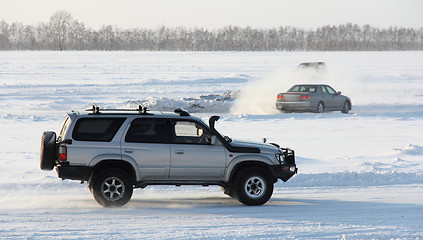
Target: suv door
(192,155)
(146,142)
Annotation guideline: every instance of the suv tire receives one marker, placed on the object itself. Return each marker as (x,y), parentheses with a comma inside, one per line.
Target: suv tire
(112,188)
(48,151)
(253,186)
(228,190)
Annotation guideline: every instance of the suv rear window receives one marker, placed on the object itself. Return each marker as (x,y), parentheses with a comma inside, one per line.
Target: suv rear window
(65,127)
(96,129)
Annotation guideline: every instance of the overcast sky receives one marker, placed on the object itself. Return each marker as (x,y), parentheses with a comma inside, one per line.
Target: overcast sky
(213,14)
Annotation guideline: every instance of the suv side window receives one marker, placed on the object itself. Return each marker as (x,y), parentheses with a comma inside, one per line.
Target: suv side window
(96,129)
(189,132)
(144,130)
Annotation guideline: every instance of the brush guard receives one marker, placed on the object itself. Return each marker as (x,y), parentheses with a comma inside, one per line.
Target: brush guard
(287,167)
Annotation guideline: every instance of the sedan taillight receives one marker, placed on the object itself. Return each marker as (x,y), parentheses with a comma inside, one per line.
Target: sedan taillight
(305,97)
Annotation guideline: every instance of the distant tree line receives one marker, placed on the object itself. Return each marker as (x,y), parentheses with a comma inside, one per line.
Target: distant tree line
(63,32)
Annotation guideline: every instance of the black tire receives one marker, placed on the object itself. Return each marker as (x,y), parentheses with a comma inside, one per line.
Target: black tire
(320,107)
(48,151)
(228,190)
(253,186)
(112,188)
(346,107)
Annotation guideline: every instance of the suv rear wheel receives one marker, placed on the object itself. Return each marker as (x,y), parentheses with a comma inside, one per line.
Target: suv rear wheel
(253,187)
(112,188)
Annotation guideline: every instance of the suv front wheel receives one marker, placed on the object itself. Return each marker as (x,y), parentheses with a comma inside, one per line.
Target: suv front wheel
(253,187)
(112,188)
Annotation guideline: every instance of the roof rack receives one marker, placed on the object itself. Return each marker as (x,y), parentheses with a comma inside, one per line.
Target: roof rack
(97,110)
(140,109)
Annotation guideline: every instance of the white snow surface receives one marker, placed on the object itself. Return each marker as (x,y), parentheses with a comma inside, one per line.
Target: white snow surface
(360,174)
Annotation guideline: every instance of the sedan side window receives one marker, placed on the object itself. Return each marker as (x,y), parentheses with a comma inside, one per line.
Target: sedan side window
(324,90)
(331,90)
(187,132)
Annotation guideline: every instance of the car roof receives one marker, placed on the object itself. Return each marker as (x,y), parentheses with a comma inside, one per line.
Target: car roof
(311,84)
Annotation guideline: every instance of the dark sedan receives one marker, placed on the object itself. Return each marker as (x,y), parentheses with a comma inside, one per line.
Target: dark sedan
(312,98)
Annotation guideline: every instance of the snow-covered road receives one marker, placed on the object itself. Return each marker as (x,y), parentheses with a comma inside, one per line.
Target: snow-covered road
(382,212)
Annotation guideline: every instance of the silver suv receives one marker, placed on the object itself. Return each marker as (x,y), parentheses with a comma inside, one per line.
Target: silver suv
(117,150)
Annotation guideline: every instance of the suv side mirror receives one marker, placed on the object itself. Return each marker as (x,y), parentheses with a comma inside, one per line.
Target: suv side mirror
(338,93)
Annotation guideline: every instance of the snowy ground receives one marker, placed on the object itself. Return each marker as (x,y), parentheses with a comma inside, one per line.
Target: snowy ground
(360,174)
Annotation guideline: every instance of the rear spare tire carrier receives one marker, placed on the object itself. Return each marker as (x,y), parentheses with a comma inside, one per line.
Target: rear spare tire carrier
(48,151)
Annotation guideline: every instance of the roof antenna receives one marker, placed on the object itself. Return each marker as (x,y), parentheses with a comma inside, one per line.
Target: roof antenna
(142,109)
(96,109)
(181,112)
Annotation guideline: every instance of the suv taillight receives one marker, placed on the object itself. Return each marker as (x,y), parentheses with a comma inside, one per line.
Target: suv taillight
(63,153)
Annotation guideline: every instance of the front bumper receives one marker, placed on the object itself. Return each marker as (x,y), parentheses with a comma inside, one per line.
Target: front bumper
(284,172)
(287,167)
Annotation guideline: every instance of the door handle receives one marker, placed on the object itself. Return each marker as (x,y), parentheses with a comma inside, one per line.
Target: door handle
(129,150)
(179,151)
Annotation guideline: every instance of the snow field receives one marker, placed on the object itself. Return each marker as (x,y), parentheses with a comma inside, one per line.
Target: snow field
(360,174)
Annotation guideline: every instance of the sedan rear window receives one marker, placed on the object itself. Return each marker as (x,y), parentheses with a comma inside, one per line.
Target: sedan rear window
(302,88)
(96,129)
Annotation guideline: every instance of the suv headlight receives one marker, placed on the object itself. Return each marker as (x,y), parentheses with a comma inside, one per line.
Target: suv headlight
(280,157)
(286,156)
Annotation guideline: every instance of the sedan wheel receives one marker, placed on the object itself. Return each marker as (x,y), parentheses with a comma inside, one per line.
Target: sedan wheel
(346,107)
(320,108)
